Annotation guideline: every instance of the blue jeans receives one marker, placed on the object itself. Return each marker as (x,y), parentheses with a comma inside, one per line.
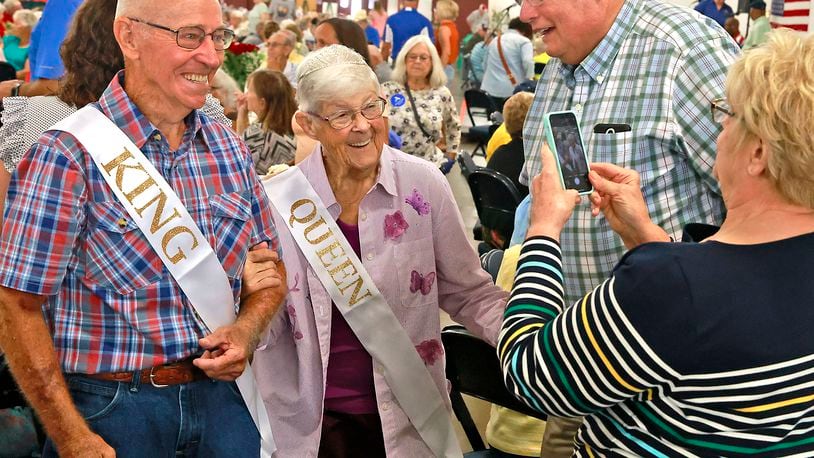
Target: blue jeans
(203,419)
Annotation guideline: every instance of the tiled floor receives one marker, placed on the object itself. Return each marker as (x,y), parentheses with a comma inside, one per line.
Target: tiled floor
(460,189)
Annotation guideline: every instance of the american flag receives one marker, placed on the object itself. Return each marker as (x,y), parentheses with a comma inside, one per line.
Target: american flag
(793,14)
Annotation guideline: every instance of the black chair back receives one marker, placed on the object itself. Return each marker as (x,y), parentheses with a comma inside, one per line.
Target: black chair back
(478,103)
(466,163)
(474,369)
(496,199)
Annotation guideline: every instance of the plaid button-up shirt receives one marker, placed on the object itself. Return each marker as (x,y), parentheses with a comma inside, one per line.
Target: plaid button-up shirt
(657,69)
(112,305)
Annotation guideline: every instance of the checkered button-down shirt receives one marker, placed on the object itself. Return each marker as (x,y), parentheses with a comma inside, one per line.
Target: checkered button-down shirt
(657,70)
(112,305)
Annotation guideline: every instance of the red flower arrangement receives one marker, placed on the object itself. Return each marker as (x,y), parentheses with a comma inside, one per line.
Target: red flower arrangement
(240,60)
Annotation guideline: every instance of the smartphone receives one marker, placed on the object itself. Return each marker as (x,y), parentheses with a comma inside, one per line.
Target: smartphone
(565,140)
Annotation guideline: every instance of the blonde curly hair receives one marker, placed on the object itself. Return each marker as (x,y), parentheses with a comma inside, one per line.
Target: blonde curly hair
(771,89)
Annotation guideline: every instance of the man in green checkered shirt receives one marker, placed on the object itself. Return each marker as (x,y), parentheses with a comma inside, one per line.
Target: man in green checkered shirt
(654,67)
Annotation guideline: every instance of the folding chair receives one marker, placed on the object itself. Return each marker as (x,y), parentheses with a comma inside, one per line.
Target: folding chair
(474,369)
(478,103)
(496,199)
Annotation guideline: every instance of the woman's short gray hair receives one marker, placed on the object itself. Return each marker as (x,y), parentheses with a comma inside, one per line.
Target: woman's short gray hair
(332,73)
(437,76)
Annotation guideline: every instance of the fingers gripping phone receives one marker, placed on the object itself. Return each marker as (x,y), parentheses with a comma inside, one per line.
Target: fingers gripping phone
(565,140)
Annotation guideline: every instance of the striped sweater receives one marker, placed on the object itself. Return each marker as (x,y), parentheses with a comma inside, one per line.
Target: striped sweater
(687,350)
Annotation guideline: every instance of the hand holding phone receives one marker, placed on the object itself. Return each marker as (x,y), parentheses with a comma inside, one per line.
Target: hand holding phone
(565,140)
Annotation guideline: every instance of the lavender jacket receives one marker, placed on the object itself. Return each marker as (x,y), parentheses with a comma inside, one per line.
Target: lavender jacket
(408,222)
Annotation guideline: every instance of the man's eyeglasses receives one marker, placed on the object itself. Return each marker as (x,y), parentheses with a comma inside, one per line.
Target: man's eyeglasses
(191,37)
(418,57)
(534,3)
(342,119)
(720,110)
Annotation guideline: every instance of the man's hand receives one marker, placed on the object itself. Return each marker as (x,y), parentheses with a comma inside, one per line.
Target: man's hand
(260,270)
(551,205)
(88,445)
(227,351)
(617,194)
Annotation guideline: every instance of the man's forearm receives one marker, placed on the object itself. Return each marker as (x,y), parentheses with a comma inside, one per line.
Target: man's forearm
(26,341)
(258,308)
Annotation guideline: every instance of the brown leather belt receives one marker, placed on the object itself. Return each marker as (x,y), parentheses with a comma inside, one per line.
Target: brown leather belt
(176,373)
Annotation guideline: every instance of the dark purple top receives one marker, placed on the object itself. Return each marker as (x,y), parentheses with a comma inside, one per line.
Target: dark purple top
(349,384)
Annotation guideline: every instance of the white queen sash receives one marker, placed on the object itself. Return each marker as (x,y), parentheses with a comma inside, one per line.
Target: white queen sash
(364,308)
(171,231)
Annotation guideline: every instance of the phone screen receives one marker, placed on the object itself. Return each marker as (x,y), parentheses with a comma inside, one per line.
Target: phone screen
(570,151)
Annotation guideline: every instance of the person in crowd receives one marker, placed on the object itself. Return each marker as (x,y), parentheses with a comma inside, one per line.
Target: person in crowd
(280,45)
(17,39)
(733,28)
(24,119)
(662,358)
(403,25)
(382,68)
(371,34)
(238,23)
(338,31)
(143,341)
(271,141)
(327,387)
(675,62)
(269,28)
(717,10)
(307,24)
(332,31)
(447,40)
(508,159)
(9,8)
(259,13)
(44,61)
(255,36)
(300,50)
(477,61)
(509,60)
(476,35)
(223,89)
(421,109)
(760,25)
(377,17)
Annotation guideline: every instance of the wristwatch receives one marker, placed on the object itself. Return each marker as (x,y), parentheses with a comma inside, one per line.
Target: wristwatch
(15,91)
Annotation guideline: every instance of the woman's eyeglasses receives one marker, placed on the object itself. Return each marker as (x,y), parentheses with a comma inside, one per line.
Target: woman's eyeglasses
(418,57)
(720,110)
(342,119)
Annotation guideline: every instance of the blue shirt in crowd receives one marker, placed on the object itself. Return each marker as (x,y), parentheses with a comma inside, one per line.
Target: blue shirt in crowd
(403,25)
(709,9)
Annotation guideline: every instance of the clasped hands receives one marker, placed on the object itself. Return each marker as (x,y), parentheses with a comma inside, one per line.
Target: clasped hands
(228,349)
(617,195)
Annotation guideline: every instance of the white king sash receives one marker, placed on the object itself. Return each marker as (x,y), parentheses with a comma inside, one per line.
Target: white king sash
(364,308)
(171,231)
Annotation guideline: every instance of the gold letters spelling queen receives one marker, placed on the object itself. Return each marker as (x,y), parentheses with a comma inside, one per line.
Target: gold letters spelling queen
(150,191)
(329,251)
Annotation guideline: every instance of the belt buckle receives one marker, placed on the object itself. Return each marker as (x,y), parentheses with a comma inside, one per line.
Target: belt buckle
(152,379)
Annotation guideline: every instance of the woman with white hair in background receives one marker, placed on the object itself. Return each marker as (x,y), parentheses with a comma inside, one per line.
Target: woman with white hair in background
(420,108)
(17,39)
(374,248)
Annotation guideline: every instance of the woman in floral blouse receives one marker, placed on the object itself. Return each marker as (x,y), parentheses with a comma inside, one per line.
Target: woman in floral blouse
(418,87)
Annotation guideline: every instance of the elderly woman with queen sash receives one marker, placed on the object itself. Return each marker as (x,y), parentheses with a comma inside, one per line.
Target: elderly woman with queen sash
(374,247)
